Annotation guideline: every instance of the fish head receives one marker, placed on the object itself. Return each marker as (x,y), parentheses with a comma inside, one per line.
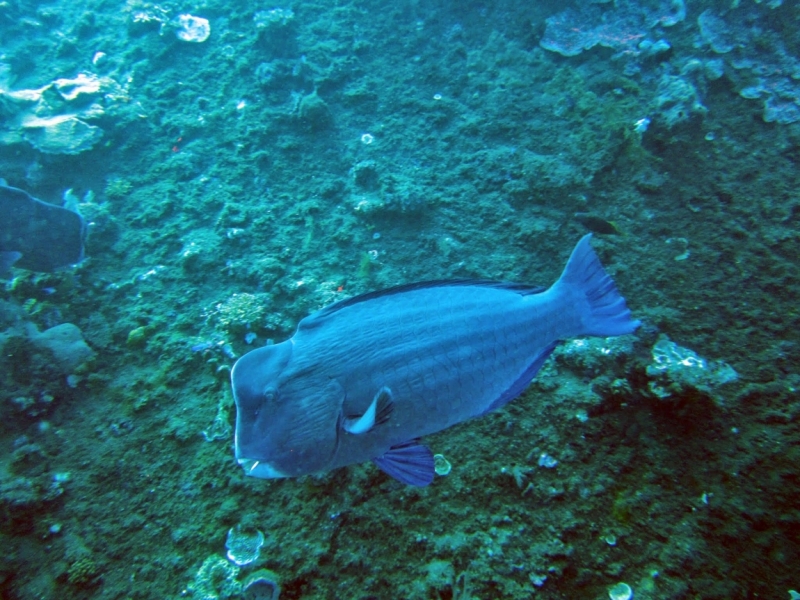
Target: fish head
(286,419)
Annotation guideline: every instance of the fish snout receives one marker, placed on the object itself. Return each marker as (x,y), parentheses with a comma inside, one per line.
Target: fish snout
(259,469)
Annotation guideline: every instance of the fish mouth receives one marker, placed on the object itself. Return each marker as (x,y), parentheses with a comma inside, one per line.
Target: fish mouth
(261,470)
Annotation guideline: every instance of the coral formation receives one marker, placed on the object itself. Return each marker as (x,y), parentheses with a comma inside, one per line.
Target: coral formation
(83,572)
(216,580)
(243,545)
(56,119)
(623,29)
(261,585)
(675,369)
(240,312)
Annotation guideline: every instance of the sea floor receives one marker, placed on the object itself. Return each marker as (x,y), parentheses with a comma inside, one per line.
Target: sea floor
(308,152)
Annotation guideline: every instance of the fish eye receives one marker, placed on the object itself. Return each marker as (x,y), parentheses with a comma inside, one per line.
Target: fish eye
(270,394)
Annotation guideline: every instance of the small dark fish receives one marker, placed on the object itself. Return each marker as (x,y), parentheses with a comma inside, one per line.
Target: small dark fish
(38,236)
(366,377)
(597,224)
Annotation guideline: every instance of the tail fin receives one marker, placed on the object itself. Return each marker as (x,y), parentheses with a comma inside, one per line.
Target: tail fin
(605,313)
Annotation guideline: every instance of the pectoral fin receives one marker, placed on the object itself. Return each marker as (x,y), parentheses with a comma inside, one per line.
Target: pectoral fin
(411,463)
(378,412)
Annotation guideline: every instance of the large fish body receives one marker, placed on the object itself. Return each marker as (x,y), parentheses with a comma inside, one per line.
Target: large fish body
(36,235)
(366,377)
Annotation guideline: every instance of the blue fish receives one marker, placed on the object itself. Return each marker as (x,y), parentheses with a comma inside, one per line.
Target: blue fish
(36,235)
(365,378)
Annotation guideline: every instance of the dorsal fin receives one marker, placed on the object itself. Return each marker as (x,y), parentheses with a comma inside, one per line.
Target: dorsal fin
(520,288)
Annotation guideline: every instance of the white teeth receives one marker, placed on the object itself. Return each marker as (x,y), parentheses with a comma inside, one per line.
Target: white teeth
(255,468)
(247,464)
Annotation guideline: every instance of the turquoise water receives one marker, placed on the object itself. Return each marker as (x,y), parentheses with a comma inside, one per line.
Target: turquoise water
(248,164)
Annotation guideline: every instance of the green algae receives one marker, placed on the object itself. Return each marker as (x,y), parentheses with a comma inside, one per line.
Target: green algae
(364,265)
(137,338)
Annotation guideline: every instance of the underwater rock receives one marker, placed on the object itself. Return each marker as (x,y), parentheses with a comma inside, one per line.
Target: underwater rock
(677,101)
(717,35)
(593,357)
(151,20)
(551,172)
(65,342)
(24,499)
(273,19)
(314,112)
(365,175)
(277,34)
